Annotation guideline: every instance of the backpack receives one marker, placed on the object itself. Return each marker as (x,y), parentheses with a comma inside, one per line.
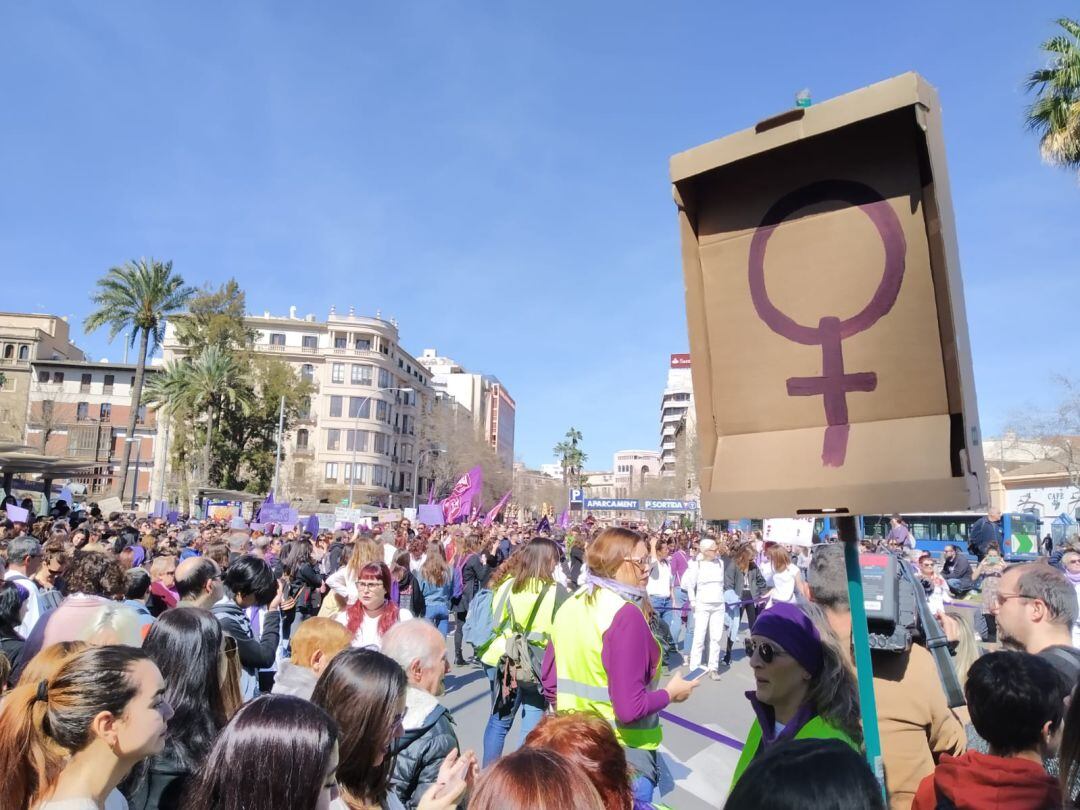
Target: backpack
(479,627)
(522,659)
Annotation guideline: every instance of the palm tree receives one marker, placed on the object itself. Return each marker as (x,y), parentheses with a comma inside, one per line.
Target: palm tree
(137,297)
(572,458)
(1055,114)
(214,383)
(211,384)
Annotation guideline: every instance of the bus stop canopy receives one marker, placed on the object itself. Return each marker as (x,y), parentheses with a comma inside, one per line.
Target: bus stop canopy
(213,494)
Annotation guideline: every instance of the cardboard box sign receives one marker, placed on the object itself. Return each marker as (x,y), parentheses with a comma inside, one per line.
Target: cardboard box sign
(828,338)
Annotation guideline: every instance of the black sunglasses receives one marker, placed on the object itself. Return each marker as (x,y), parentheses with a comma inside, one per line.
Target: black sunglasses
(765,651)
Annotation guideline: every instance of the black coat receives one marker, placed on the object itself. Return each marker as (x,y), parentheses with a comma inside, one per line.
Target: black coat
(420,753)
(959,567)
(156,784)
(474,576)
(736,580)
(417,605)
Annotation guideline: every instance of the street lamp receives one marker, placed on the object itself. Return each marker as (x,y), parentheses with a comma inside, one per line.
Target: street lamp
(137,441)
(356,434)
(435,448)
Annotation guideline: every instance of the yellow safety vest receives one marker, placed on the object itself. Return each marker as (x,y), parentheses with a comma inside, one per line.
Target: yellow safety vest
(523,602)
(578,636)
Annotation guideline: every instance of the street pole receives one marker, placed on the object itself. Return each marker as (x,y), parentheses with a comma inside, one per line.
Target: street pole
(277,457)
(165,463)
(352,473)
(135,485)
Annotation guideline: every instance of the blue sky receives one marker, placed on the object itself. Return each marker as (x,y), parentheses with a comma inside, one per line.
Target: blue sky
(494,175)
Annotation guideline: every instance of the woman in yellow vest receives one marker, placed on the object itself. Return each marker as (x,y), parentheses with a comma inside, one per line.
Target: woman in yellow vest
(604,659)
(517,585)
(804,688)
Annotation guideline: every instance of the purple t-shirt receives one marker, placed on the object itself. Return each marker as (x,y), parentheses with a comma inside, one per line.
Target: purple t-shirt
(630,656)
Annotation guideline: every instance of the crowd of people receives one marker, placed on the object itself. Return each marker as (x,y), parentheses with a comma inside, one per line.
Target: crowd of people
(214,665)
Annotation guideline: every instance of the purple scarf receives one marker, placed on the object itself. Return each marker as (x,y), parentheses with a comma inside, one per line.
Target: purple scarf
(767,720)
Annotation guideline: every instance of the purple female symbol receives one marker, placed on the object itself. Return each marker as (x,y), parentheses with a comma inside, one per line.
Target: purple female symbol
(834,384)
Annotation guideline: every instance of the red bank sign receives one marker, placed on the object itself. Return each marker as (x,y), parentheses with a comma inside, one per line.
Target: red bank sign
(680,361)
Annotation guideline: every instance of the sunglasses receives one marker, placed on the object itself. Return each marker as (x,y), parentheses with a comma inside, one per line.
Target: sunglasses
(765,651)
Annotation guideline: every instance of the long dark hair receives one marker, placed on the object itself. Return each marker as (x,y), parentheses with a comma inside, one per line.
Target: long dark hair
(12,597)
(536,560)
(294,555)
(185,643)
(273,754)
(361,690)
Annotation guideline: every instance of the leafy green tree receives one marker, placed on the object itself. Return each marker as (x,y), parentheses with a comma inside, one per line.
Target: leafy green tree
(215,318)
(1055,114)
(137,297)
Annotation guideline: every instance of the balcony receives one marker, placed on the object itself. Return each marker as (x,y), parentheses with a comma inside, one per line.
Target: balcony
(307,419)
(309,349)
(304,452)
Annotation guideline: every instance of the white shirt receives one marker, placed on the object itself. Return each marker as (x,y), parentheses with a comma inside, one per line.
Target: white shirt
(659,585)
(367,635)
(784,585)
(391,802)
(33,602)
(704,582)
(114,801)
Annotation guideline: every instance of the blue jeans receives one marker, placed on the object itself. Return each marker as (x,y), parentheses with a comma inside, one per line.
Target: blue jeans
(682,598)
(958,587)
(668,615)
(440,617)
(529,703)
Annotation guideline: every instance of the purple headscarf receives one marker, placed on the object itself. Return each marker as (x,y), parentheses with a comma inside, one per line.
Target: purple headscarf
(793,630)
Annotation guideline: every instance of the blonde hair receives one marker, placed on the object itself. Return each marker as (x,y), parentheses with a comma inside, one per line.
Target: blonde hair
(315,635)
(779,557)
(365,550)
(967,648)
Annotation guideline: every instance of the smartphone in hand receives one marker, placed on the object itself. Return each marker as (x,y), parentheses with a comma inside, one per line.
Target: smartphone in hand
(695,673)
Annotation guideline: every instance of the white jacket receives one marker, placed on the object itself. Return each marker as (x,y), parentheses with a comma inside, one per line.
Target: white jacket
(704,582)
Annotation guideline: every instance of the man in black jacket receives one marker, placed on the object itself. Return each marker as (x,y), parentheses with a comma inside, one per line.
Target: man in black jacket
(983,532)
(429,734)
(956,571)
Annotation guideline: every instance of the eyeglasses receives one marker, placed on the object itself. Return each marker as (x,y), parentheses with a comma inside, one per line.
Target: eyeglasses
(1001,598)
(368,585)
(765,651)
(640,562)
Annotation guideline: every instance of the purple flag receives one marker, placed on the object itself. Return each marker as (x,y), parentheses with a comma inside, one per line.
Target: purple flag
(489,518)
(544,525)
(458,502)
(431,494)
(313,526)
(269,496)
(564,519)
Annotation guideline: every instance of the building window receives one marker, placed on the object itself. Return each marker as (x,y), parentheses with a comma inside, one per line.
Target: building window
(333,439)
(378,475)
(331,472)
(307,372)
(382,412)
(301,439)
(347,469)
(24,352)
(58,377)
(335,405)
(340,341)
(359,407)
(84,383)
(337,372)
(356,440)
(277,339)
(105,412)
(9,351)
(107,385)
(361,473)
(360,375)
(380,445)
(140,417)
(384,378)
(309,342)
(43,376)
(47,410)
(363,343)
(305,409)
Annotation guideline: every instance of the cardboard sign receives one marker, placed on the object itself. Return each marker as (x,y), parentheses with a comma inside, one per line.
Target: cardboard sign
(278,513)
(830,357)
(388,516)
(16,514)
(110,505)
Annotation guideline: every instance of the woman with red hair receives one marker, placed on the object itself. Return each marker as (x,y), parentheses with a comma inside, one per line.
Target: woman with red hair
(373,612)
(589,744)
